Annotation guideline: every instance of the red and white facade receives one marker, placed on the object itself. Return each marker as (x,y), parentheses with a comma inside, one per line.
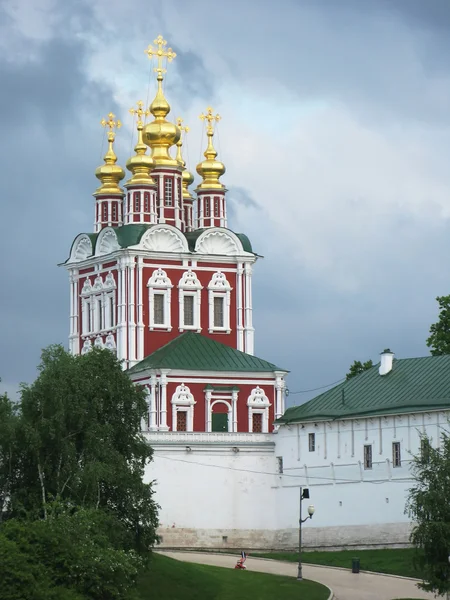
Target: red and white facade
(137,286)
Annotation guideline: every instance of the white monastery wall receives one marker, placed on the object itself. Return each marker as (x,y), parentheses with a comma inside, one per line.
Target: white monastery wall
(354,504)
(224,490)
(216,490)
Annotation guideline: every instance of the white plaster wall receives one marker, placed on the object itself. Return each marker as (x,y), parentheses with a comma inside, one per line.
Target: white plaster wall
(212,496)
(353,505)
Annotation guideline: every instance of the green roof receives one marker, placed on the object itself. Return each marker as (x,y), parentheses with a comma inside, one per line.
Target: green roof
(414,384)
(195,352)
(130,235)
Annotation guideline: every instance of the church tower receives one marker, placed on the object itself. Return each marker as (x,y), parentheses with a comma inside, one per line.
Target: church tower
(163,282)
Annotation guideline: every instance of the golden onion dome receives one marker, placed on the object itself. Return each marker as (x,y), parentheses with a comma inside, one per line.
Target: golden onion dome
(160,134)
(210,169)
(109,173)
(141,164)
(187,180)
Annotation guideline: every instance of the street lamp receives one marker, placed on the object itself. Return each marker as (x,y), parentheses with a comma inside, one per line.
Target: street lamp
(304,495)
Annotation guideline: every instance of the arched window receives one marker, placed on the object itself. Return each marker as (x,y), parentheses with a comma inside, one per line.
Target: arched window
(189,299)
(219,296)
(137,202)
(258,411)
(159,300)
(182,409)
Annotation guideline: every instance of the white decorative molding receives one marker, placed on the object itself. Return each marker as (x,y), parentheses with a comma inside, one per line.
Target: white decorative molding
(219,287)
(216,241)
(82,248)
(183,400)
(110,282)
(159,279)
(98,342)
(163,239)
(87,346)
(258,403)
(110,342)
(189,285)
(87,287)
(219,282)
(159,283)
(98,284)
(106,242)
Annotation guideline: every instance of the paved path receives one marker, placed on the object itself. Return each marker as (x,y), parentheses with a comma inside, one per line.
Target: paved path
(345,585)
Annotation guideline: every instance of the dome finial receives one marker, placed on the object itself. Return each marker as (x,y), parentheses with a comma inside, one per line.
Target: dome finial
(141,163)
(210,169)
(187,177)
(160,135)
(110,174)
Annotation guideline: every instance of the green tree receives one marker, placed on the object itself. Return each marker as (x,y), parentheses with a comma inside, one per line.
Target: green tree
(358,367)
(8,424)
(439,340)
(428,507)
(79,441)
(68,556)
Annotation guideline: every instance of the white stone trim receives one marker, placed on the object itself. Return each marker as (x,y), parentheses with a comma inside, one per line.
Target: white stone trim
(106,242)
(182,399)
(189,285)
(219,287)
(258,402)
(159,283)
(217,240)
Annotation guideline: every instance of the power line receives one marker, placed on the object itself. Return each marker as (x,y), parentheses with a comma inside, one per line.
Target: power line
(304,477)
(289,393)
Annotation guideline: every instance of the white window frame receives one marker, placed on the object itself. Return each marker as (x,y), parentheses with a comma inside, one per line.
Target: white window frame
(189,285)
(159,283)
(219,287)
(183,400)
(396,455)
(258,402)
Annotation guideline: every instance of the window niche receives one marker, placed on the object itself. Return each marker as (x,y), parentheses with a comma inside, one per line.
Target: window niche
(219,297)
(258,411)
(159,296)
(183,409)
(189,302)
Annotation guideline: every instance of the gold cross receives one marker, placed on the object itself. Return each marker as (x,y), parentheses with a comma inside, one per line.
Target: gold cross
(180,126)
(210,118)
(140,112)
(160,53)
(112,124)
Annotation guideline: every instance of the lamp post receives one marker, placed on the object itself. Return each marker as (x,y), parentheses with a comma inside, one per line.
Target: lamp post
(304,495)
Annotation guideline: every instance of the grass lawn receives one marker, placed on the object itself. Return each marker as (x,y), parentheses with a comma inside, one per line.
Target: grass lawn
(170,579)
(394,561)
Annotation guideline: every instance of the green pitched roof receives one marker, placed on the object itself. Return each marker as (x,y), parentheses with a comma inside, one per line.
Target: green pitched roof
(195,352)
(414,384)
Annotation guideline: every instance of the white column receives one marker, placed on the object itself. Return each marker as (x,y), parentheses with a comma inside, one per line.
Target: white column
(239,298)
(122,316)
(178,199)
(76,312)
(190,415)
(153,424)
(163,417)
(208,411)
(109,212)
(161,199)
(72,330)
(248,327)
(279,391)
(131,313)
(140,310)
(234,397)
(230,420)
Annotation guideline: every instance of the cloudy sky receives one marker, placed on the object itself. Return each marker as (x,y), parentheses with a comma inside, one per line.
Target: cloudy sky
(335,133)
